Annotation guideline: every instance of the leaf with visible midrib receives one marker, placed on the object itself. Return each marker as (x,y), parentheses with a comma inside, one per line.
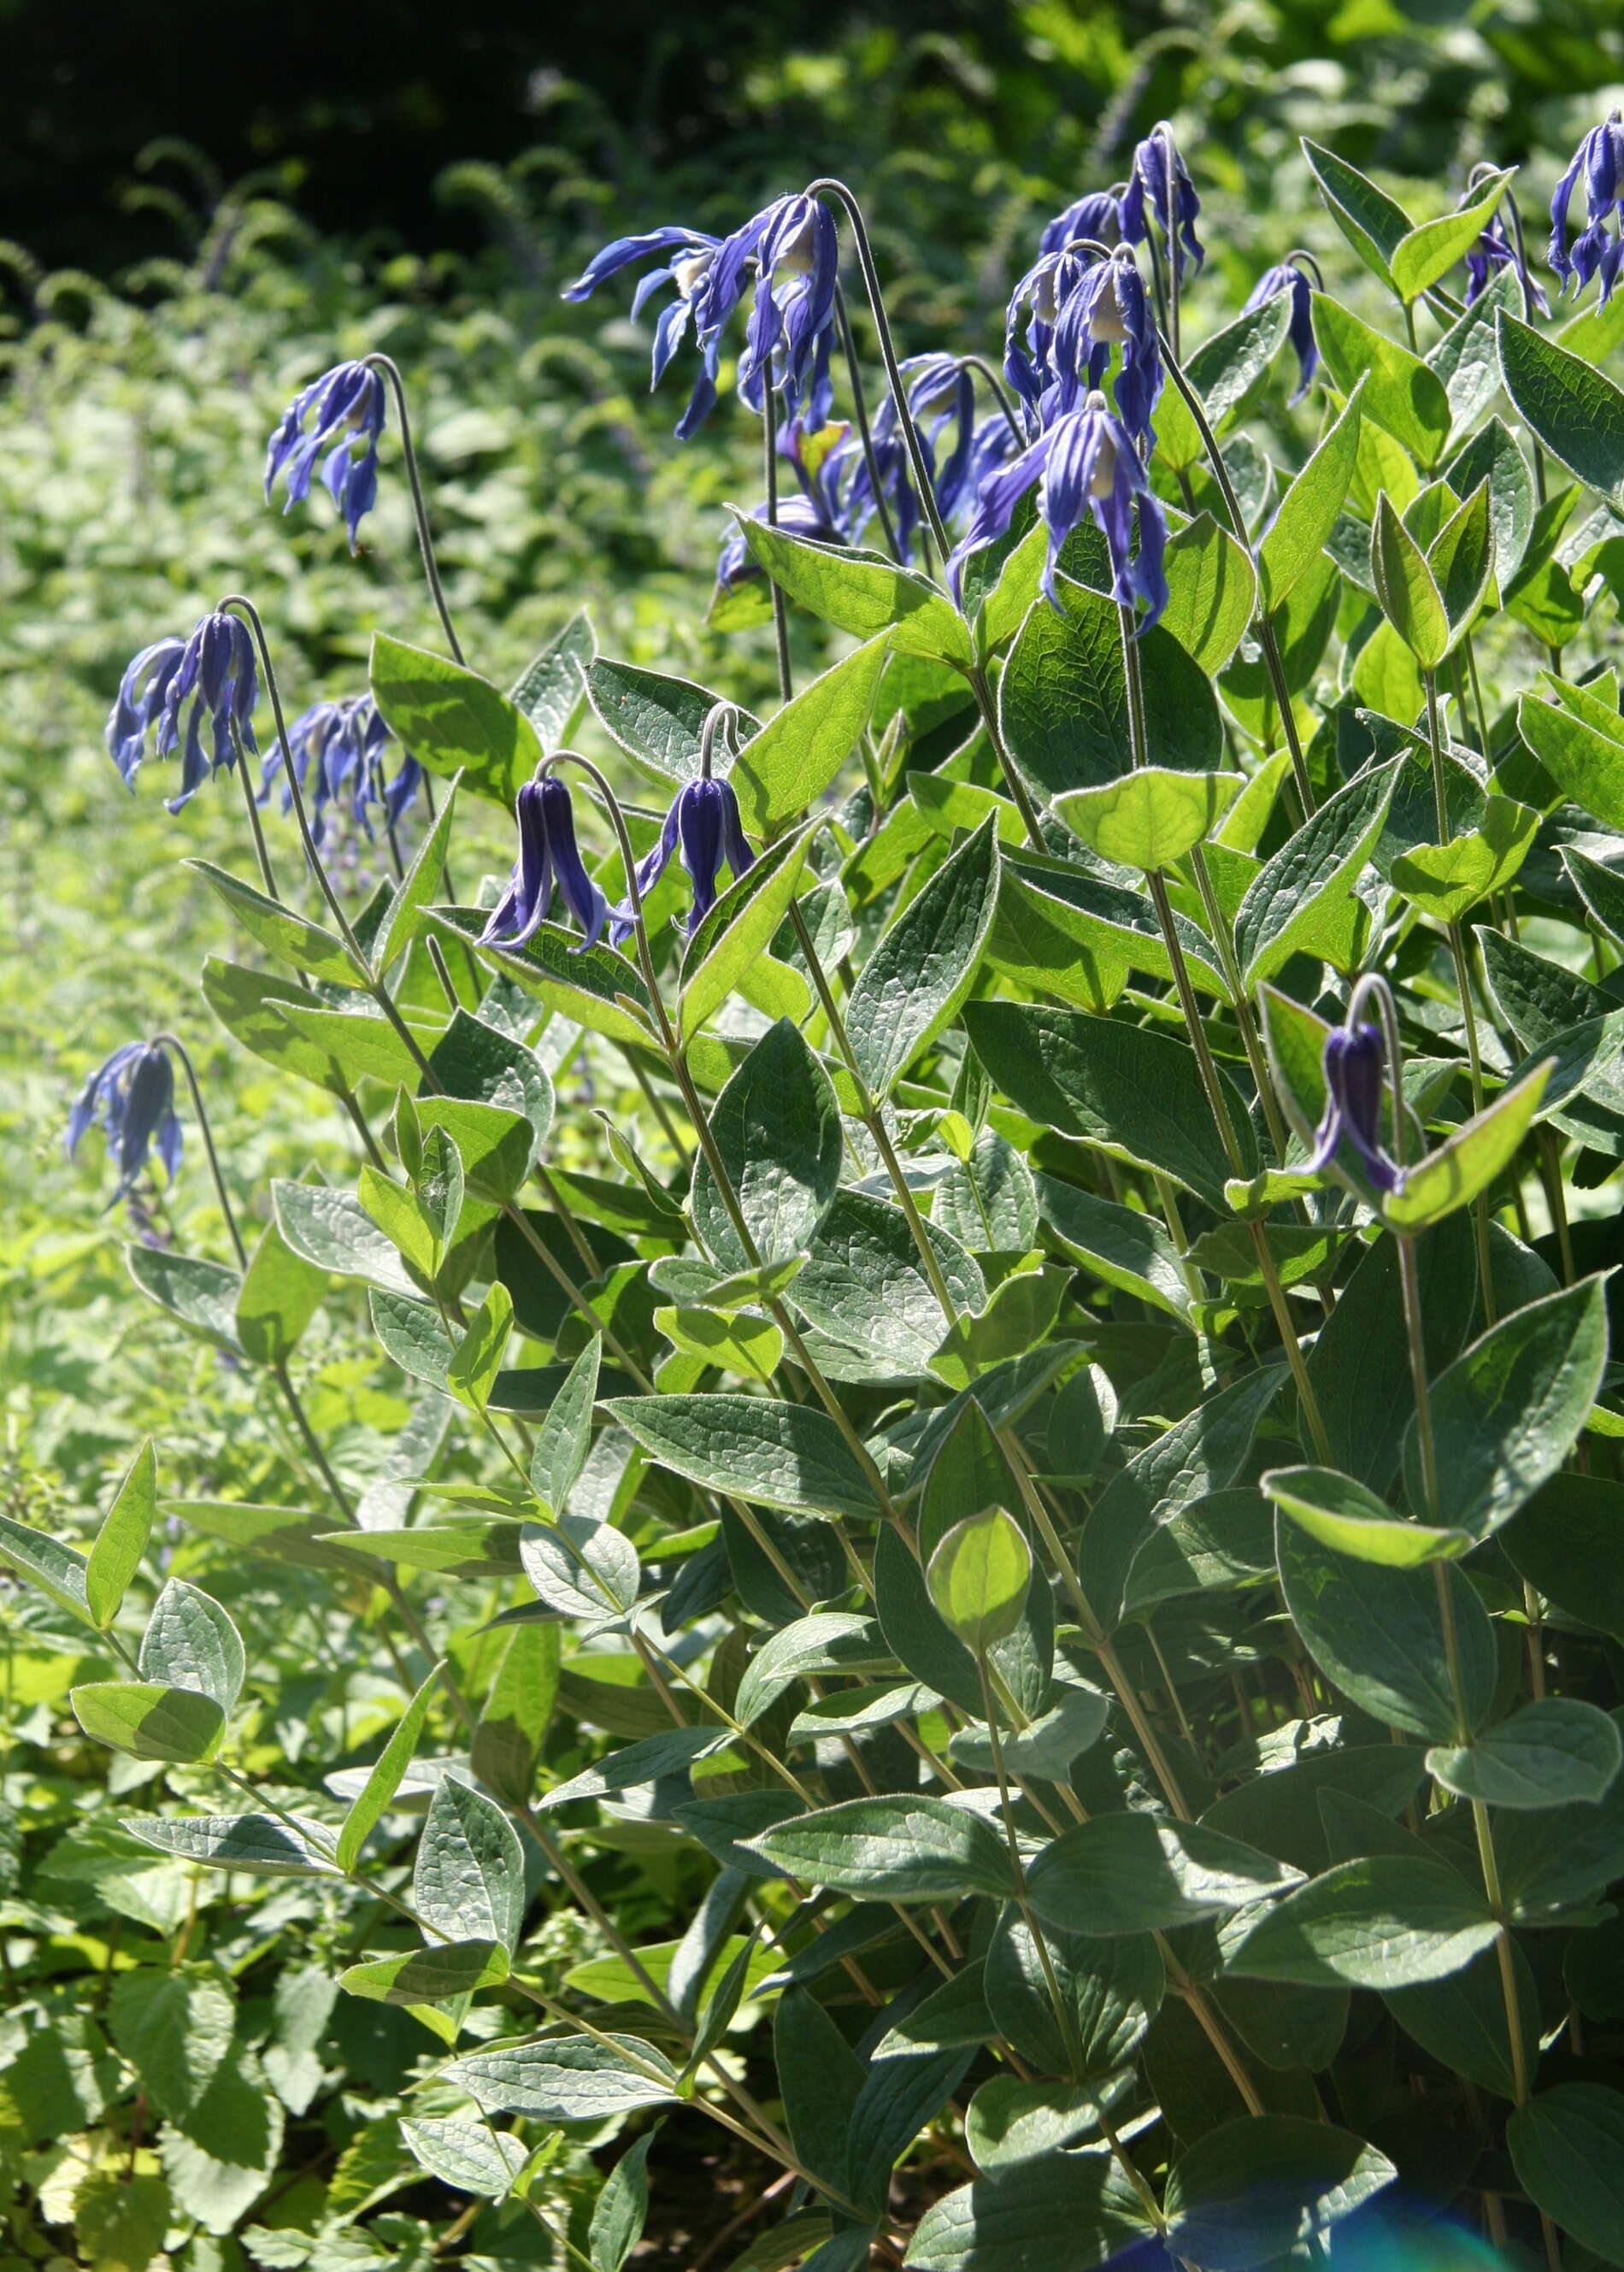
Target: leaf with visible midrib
(916,979)
(1573,409)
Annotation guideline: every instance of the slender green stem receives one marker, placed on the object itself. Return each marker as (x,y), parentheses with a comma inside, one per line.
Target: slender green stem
(859,411)
(781,614)
(420,509)
(1463,981)
(255,826)
(177,1048)
(1409,1279)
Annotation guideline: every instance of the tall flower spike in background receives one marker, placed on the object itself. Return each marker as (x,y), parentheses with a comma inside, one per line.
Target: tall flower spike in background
(1085,463)
(704,819)
(1148,181)
(548,854)
(1600,159)
(340,745)
(344,409)
(132,1096)
(1287,276)
(212,677)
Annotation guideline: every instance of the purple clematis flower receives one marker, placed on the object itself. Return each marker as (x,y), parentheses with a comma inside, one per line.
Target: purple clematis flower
(1599,158)
(1286,276)
(132,1096)
(548,854)
(1355,1065)
(345,411)
(1085,462)
(1030,323)
(1110,307)
(1147,179)
(1496,249)
(340,745)
(1097,216)
(704,820)
(211,676)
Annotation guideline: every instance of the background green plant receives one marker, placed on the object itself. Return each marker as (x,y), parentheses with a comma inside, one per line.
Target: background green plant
(136,405)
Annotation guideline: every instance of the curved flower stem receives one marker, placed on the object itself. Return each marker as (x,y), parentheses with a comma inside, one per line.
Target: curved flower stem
(267,874)
(420,509)
(982,690)
(1169,241)
(995,385)
(177,1049)
(859,411)
(1223,938)
(1263,629)
(827,187)
(781,614)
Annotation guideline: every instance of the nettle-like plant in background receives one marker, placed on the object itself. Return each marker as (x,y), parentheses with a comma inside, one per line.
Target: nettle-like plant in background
(1069,1448)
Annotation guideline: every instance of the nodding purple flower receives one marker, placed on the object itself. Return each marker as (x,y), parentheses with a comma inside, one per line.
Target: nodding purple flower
(941,396)
(1496,249)
(1030,322)
(816,512)
(548,854)
(1155,158)
(1355,1065)
(1110,307)
(790,250)
(212,678)
(1599,158)
(341,745)
(704,820)
(132,1096)
(345,410)
(1085,462)
(1097,216)
(1286,276)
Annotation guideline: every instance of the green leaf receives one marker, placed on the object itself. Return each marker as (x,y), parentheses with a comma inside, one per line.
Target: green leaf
(1468,1161)
(58,1571)
(281,1292)
(264,1845)
(580,1567)
(1401,395)
(1424,255)
(565,1437)
(1566,403)
(621,2209)
(512,1725)
(736,931)
(435,1975)
(1377,1635)
(1117,1244)
(1066,2212)
(1212,592)
(1385,1921)
(1460,557)
(1131,1092)
(468,1879)
(1372,223)
(1461,2020)
(471,1374)
(978,1577)
(452,719)
(385,1775)
(591,986)
(418,886)
(820,2077)
(917,978)
(657,720)
(1344,1514)
(909,1849)
(568,2078)
(777,1128)
(468,2157)
(1565,1543)
(863,593)
(1308,511)
(1410,598)
(191,1642)
(149,1720)
(175,2028)
(1130,1874)
(284,932)
(473,1061)
(1063,699)
(1581,752)
(1443,881)
(1552,1752)
(1019,1315)
(1227,370)
(791,761)
(330,1230)
(494,1145)
(1148,818)
(549,689)
(1505,1415)
(1264,2186)
(1467,359)
(780,1454)
(1046,1747)
(120,1543)
(752,1348)
(1568,2149)
(200,1295)
(1319,863)
(863,1285)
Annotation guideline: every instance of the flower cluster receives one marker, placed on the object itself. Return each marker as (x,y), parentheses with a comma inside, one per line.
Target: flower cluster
(212,678)
(340,749)
(1599,160)
(344,409)
(132,1096)
(548,854)
(1288,276)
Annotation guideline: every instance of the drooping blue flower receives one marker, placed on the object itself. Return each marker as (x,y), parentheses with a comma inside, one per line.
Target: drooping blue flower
(1286,276)
(790,248)
(338,746)
(1096,218)
(1355,1065)
(1599,158)
(993,443)
(132,1096)
(1109,308)
(213,678)
(1494,250)
(1085,462)
(940,394)
(1155,157)
(1029,324)
(548,854)
(345,408)
(704,820)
